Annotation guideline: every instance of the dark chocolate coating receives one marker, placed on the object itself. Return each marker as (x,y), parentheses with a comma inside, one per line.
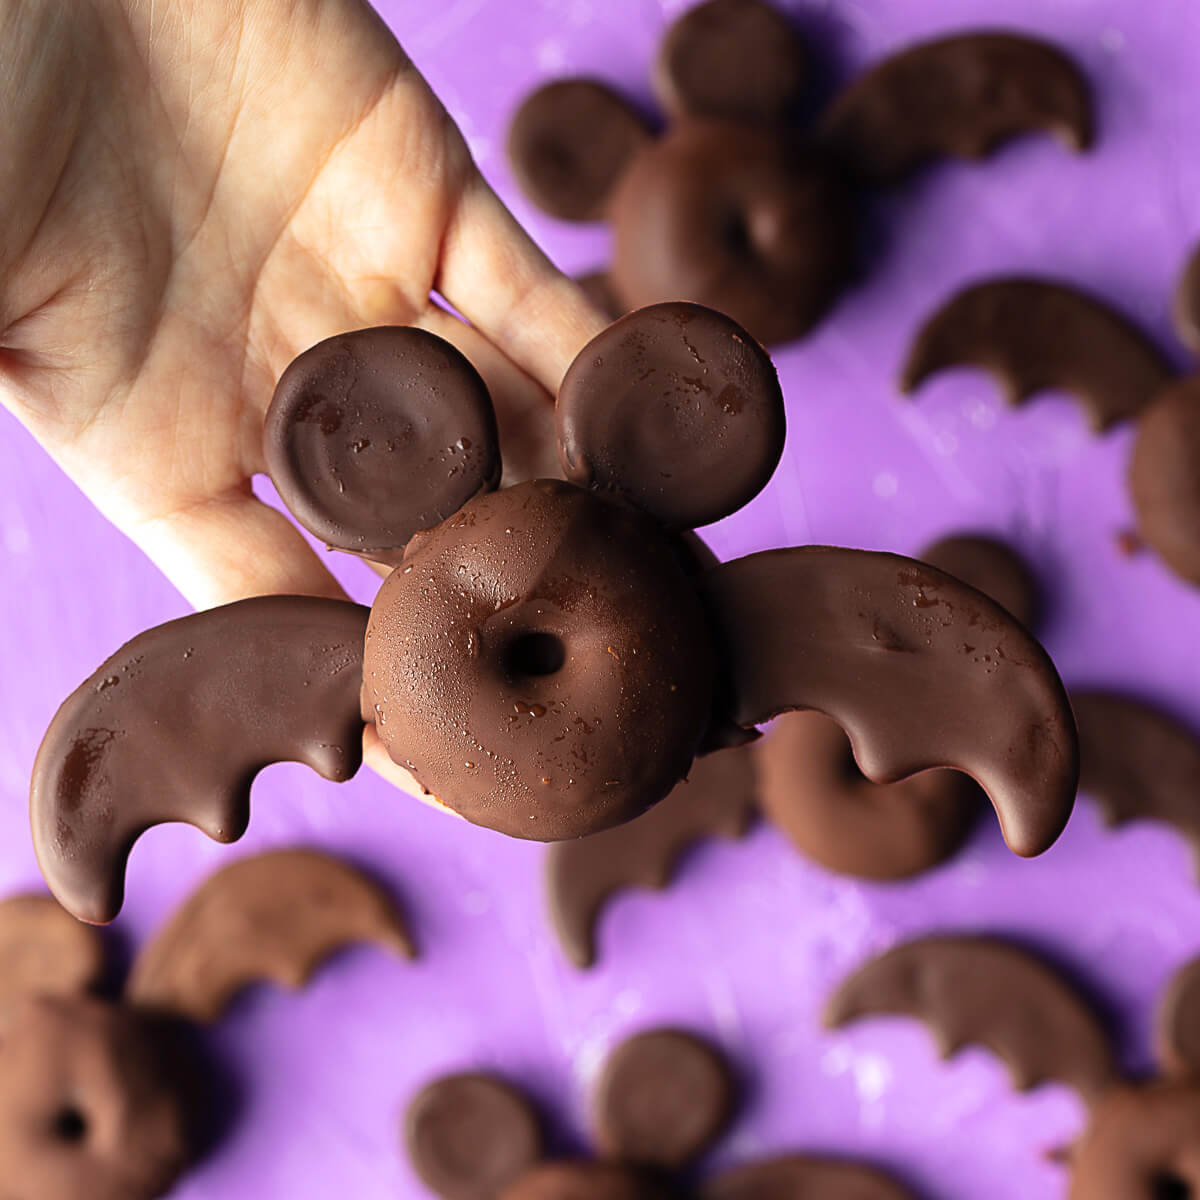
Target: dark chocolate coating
(663,1098)
(1177,1030)
(675,409)
(920,670)
(92,1104)
(716,800)
(744,220)
(375,434)
(177,723)
(1185,307)
(803,1177)
(736,59)
(1143,1143)
(991,567)
(1034,335)
(470,1136)
(812,790)
(583,1180)
(569,144)
(1164,478)
(541,662)
(959,96)
(976,990)
(44,951)
(275,916)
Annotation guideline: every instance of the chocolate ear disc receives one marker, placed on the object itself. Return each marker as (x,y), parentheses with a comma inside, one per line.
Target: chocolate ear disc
(275,916)
(1177,1034)
(919,669)
(1186,307)
(374,435)
(959,96)
(1034,335)
(675,409)
(663,1098)
(716,800)
(798,1176)
(470,1136)
(570,142)
(975,990)
(990,567)
(740,60)
(177,723)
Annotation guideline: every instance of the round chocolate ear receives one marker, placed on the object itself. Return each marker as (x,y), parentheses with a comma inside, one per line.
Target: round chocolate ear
(570,142)
(1177,1033)
(1187,303)
(663,1098)
(675,409)
(991,567)
(374,435)
(470,1136)
(739,60)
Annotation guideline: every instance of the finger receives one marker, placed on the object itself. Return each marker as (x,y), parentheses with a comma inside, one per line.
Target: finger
(492,272)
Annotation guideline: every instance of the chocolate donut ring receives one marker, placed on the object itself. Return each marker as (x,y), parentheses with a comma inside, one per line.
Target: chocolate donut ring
(541,662)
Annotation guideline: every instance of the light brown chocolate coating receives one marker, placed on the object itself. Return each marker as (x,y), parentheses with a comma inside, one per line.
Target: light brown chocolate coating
(177,723)
(1177,1029)
(991,567)
(812,791)
(716,800)
(276,916)
(584,1180)
(920,670)
(979,990)
(803,1177)
(1185,307)
(960,96)
(662,1100)
(1034,335)
(541,663)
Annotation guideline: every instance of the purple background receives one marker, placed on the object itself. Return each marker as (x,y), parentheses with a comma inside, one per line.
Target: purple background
(750,940)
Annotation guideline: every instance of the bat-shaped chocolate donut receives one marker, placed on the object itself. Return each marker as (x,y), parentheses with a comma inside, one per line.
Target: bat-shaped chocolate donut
(664,1097)
(736,205)
(1035,334)
(1142,1141)
(549,658)
(109,1100)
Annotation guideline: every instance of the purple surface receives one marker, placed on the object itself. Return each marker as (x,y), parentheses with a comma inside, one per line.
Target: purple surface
(749,942)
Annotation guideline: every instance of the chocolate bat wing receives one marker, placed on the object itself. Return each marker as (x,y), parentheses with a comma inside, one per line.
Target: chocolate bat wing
(177,723)
(1034,335)
(716,800)
(976,990)
(959,96)
(276,916)
(801,1175)
(1177,1030)
(1138,763)
(920,670)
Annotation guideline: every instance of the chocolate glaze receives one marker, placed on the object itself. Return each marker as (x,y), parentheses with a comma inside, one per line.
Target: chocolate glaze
(716,800)
(675,409)
(663,1099)
(739,218)
(542,662)
(800,1176)
(990,567)
(1185,307)
(585,1181)
(701,69)
(470,1136)
(569,143)
(978,990)
(1035,335)
(375,434)
(1164,478)
(1177,1030)
(960,96)
(812,790)
(1138,763)
(920,670)
(44,951)
(275,916)
(177,723)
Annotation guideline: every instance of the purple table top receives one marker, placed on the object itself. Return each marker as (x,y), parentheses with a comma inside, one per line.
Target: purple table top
(748,943)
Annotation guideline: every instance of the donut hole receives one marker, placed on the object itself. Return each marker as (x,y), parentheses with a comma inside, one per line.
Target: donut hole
(69,1125)
(533,655)
(736,236)
(1166,1185)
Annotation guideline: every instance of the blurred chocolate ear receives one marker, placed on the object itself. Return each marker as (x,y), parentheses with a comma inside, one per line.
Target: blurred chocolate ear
(175,726)
(737,60)
(1034,335)
(570,142)
(1186,308)
(958,97)
(798,1176)
(919,669)
(1177,1036)
(374,435)
(674,409)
